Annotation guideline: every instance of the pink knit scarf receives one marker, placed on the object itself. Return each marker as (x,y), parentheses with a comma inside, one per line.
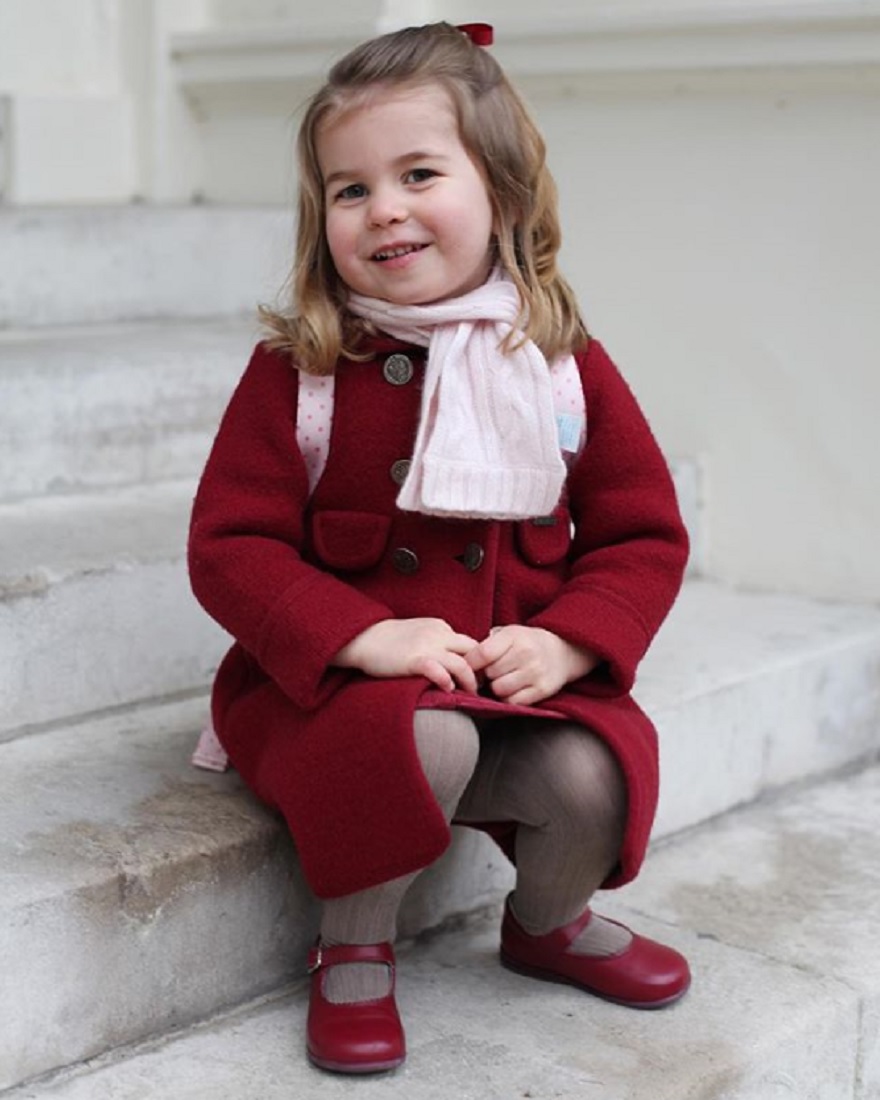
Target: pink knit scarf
(487,445)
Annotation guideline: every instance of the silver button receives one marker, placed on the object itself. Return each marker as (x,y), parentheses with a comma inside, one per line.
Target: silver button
(405,560)
(473,557)
(545,521)
(398,369)
(399,470)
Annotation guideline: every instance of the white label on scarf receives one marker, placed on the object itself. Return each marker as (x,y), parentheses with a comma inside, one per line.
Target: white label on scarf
(570,429)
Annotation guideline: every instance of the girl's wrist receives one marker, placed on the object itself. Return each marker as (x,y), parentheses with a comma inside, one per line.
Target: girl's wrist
(581,661)
(351,655)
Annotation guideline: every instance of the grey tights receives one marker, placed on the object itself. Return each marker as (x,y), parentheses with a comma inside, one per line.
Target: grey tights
(563,787)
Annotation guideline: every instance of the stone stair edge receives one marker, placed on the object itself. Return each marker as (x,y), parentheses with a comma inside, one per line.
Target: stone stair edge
(144,745)
(124,329)
(107,528)
(86,408)
(65,1075)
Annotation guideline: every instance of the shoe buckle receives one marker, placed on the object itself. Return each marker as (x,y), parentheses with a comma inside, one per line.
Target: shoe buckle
(316,959)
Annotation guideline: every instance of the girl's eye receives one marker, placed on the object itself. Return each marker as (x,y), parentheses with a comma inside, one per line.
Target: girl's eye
(420,175)
(353,191)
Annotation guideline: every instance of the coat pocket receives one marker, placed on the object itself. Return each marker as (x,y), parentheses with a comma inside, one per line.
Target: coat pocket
(350,541)
(545,540)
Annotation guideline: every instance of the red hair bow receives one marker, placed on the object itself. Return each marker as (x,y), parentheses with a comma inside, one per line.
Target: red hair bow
(481,34)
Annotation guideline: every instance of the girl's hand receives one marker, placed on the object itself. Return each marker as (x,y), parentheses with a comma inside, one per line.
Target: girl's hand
(412,647)
(526,664)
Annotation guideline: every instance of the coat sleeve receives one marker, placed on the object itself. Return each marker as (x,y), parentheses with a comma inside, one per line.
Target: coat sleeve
(629,544)
(246,535)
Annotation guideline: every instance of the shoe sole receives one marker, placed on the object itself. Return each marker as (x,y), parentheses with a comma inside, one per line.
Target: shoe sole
(355,1067)
(560,979)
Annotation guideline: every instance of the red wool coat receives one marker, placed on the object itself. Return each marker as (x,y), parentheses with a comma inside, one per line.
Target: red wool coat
(294,577)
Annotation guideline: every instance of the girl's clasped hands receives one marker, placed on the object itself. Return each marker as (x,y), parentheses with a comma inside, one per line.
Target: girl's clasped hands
(522,664)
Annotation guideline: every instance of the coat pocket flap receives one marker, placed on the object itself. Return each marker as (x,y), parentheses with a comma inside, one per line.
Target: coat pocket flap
(545,540)
(350,540)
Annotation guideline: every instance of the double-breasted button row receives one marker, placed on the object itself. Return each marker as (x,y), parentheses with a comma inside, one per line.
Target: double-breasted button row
(397,369)
(406,561)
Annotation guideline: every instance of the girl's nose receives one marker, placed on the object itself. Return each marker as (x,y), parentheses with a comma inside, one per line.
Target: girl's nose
(386,208)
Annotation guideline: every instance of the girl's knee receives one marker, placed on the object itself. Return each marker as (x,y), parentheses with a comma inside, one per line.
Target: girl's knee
(448,745)
(580,777)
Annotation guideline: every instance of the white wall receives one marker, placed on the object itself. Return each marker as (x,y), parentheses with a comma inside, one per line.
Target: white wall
(61,46)
(80,84)
(66,121)
(726,247)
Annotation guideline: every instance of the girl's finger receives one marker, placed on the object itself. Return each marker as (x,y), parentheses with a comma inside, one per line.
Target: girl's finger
(487,652)
(506,686)
(525,698)
(434,671)
(446,671)
(464,675)
(504,666)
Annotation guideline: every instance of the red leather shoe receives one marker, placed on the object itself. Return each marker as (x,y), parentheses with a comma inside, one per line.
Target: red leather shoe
(644,975)
(363,1037)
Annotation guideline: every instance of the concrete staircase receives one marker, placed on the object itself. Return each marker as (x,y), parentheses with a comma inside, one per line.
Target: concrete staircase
(775,905)
(140,898)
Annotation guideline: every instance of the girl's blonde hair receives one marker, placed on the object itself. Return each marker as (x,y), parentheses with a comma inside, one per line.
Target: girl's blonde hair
(495,128)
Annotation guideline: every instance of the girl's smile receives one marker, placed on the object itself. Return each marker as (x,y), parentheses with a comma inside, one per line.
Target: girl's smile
(408,216)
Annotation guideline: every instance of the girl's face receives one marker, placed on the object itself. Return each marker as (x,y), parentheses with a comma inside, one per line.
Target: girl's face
(408,218)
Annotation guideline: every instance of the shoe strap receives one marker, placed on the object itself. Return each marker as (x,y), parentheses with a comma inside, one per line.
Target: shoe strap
(560,939)
(323,955)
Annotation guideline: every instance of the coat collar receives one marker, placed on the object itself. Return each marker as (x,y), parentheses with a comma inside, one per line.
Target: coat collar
(383,344)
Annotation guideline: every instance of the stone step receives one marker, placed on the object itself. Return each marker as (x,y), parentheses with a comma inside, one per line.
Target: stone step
(774,906)
(87,407)
(139,262)
(138,893)
(113,848)
(95,606)
(752,691)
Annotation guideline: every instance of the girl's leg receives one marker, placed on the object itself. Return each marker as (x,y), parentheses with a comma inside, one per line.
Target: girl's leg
(565,789)
(448,745)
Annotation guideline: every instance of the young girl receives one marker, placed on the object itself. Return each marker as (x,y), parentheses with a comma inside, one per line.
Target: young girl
(442,534)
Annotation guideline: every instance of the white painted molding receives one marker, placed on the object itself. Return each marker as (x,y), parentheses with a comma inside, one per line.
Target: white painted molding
(722,39)
(210,59)
(604,42)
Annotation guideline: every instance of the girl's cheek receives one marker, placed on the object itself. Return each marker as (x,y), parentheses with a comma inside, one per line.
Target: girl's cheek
(336,237)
